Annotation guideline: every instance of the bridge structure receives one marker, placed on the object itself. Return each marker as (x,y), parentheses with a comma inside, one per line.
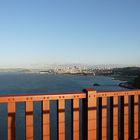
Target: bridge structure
(106,115)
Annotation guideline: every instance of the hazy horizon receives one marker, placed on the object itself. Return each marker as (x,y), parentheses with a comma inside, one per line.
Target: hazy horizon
(54,65)
(34,33)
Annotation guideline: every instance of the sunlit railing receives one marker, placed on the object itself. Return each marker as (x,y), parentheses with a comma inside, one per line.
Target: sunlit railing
(105,115)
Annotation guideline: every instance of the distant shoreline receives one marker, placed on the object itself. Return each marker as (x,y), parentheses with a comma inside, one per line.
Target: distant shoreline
(127,81)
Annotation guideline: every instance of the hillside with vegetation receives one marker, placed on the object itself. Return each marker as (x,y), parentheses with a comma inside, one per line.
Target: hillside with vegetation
(129,74)
(136,83)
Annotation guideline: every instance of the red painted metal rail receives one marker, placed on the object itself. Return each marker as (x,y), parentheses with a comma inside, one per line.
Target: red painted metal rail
(111,115)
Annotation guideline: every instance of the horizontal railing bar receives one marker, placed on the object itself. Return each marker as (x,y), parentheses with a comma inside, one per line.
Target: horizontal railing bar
(70,95)
(41,97)
(116,93)
(40,94)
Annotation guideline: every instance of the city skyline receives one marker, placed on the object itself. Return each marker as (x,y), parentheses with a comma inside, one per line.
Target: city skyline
(36,33)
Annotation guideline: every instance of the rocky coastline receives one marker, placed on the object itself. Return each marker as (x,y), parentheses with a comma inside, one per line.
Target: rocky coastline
(129,82)
(126,85)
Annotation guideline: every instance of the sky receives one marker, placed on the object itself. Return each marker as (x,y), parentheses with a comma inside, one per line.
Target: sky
(95,32)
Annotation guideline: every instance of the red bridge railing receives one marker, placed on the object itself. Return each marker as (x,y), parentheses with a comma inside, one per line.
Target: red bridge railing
(111,115)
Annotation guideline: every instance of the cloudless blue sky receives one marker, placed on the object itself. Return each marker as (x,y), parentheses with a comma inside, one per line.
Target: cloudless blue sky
(36,32)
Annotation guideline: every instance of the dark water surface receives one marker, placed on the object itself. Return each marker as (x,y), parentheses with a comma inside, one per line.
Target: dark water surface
(17,83)
(42,83)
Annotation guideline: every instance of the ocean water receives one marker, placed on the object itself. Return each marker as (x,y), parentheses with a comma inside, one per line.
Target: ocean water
(17,83)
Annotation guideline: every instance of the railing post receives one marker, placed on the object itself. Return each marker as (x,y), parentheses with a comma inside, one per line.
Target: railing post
(29,121)
(139,116)
(136,117)
(76,121)
(126,123)
(90,116)
(46,120)
(115,118)
(61,119)
(104,117)
(11,120)
(84,118)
